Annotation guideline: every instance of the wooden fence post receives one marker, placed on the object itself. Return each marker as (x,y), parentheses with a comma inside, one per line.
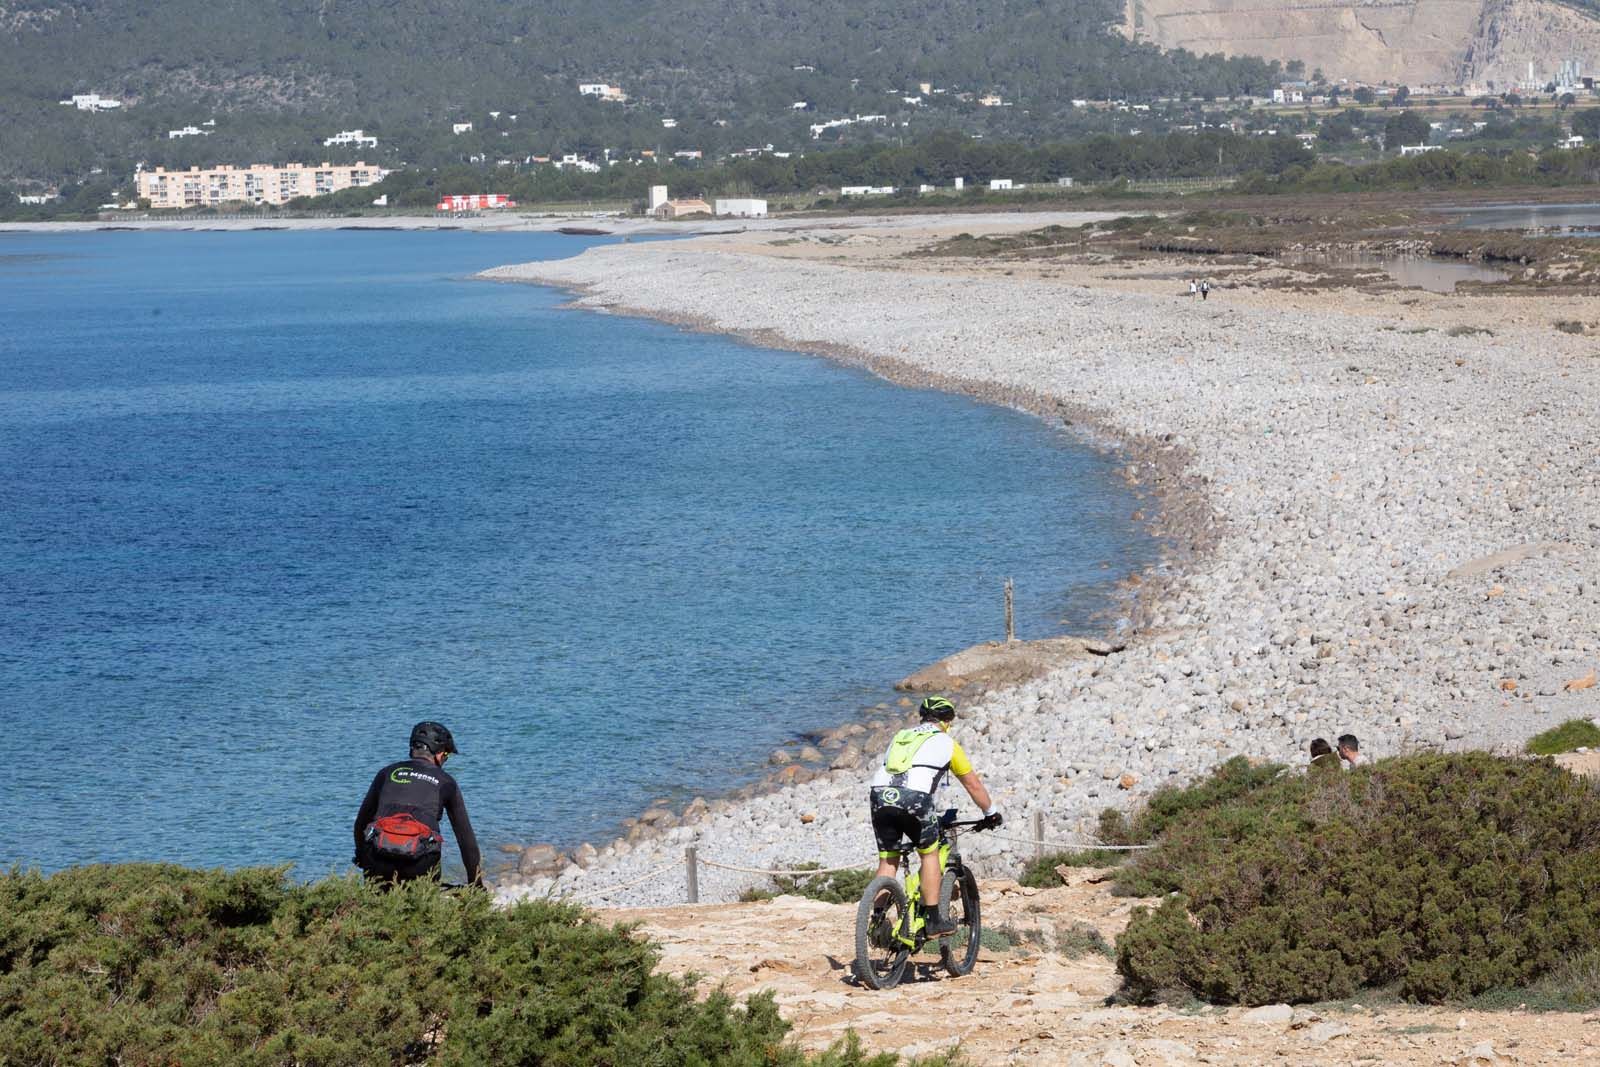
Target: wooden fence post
(691,861)
(1011,629)
(1038,835)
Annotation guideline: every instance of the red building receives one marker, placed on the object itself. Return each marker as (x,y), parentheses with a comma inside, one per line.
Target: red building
(475,202)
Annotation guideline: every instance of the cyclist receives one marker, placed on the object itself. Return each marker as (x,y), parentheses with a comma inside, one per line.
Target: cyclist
(902,792)
(397,828)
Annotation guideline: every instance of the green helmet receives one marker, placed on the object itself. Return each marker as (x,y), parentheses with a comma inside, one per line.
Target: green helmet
(937,707)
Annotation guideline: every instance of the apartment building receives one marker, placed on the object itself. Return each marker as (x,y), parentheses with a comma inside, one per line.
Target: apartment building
(258,183)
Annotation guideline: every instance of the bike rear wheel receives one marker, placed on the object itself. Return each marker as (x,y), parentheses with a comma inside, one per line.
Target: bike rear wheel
(880,920)
(958,899)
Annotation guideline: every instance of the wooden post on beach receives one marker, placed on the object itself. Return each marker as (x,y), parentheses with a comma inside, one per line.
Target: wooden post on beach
(1011,628)
(1038,835)
(691,860)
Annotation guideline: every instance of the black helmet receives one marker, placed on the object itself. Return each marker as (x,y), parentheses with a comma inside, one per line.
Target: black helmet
(937,707)
(433,737)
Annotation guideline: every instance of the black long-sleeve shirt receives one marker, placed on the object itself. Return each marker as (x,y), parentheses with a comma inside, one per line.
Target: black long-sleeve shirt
(424,791)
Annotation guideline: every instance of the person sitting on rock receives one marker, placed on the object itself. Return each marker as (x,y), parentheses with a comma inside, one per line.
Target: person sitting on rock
(902,793)
(1322,757)
(1350,751)
(397,828)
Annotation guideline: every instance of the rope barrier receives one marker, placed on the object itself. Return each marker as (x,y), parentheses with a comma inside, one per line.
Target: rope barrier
(1083,845)
(693,860)
(792,873)
(582,891)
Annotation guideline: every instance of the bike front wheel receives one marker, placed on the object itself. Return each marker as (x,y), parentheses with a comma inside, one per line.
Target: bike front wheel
(881,922)
(958,899)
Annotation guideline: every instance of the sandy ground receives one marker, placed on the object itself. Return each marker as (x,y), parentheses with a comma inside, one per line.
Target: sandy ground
(870,245)
(1034,1005)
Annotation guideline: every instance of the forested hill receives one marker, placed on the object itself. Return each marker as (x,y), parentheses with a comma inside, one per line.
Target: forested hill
(276,73)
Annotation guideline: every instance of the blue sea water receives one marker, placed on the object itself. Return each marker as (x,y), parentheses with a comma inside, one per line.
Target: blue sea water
(266,499)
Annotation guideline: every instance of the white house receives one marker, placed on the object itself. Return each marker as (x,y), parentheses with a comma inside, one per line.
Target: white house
(688,153)
(612,93)
(576,162)
(742,207)
(1575,141)
(35,199)
(92,102)
(460,127)
(658,196)
(867,190)
(999,184)
(669,124)
(355,137)
(187,131)
(1418,149)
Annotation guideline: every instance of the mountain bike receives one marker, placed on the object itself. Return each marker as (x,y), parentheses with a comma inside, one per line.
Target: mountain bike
(889,928)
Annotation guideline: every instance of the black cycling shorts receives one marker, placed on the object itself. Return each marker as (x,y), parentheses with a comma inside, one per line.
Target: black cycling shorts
(903,814)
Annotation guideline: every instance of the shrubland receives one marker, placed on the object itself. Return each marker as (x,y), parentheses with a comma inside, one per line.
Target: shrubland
(1439,877)
(152,964)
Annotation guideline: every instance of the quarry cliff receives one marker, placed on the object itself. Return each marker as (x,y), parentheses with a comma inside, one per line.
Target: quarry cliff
(1414,42)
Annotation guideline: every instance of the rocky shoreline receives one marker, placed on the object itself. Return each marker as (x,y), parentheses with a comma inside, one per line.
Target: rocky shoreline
(1331,484)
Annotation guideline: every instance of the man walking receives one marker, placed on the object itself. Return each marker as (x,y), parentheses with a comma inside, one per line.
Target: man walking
(397,828)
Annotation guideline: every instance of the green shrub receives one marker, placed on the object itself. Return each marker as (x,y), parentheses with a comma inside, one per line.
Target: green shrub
(1229,781)
(148,964)
(1568,737)
(1041,873)
(1081,939)
(1446,875)
(839,887)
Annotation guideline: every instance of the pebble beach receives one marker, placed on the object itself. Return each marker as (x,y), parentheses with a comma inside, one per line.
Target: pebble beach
(1374,528)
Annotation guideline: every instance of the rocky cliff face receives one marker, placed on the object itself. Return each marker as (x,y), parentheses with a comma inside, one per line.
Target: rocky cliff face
(1401,41)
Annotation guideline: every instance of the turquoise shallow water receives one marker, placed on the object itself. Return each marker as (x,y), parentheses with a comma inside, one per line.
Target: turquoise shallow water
(268,498)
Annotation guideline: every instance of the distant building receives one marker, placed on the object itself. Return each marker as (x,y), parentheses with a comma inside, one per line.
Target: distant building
(578,163)
(1575,141)
(93,102)
(475,202)
(999,184)
(677,209)
(669,124)
(36,199)
(187,131)
(990,100)
(1419,149)
(259,183)
(742,207)
(355,137)
(867,190)
(658,196)
(460,127)
(609,93)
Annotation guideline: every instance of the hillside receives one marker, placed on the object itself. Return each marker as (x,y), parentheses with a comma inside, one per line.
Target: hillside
(279,76)
(1403,41)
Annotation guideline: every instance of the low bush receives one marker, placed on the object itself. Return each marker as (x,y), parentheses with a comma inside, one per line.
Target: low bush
(1568,737)
(150,964)
(1081,939)
(1041,873)
(1169,804)
(1446,876)
(836,887)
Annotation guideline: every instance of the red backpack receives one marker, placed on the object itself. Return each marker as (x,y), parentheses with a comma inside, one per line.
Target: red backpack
(402,836)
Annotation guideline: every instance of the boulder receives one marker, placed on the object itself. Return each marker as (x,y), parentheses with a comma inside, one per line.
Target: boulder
(540,861)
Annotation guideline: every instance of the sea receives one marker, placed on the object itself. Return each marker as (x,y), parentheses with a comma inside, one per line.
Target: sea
(269,498)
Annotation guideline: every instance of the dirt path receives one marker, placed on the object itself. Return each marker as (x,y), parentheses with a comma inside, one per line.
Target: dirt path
(1035,1004)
